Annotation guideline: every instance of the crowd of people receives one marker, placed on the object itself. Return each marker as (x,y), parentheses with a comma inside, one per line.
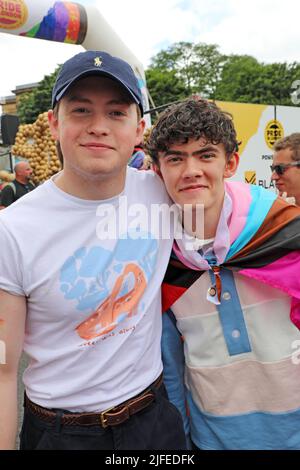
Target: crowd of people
(138,340)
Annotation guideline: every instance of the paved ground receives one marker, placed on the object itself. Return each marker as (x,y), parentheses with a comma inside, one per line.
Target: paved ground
(22,367)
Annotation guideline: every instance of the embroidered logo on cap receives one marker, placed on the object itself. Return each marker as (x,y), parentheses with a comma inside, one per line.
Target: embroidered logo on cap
(98,61)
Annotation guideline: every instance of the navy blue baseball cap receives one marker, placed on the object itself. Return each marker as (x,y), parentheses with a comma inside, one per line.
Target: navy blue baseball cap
(97,63)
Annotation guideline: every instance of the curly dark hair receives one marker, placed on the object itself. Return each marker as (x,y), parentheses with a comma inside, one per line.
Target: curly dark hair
(192,118)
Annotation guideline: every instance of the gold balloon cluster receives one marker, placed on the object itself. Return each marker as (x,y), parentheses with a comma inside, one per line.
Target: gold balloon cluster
(35,143)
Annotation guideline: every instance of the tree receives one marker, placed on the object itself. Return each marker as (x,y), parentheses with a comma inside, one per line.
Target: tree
(278,80)
(164,86)
(238,80)
(193,68)
(37,101)
(245,80)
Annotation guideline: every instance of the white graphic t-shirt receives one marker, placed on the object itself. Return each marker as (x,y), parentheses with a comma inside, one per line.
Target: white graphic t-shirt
(91,272)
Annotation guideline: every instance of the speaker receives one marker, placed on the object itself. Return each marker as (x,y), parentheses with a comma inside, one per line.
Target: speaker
(9,128)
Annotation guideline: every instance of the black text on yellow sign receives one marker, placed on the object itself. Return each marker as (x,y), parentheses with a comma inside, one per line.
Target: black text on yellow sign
(273,132)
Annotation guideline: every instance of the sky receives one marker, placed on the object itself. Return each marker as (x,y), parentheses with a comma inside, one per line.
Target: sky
(266,29)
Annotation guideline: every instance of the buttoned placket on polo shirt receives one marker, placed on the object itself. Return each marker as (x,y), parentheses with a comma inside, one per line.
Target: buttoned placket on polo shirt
(231,314)
(228,305)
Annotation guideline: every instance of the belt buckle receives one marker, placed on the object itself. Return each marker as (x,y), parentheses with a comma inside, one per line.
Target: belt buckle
(103,420)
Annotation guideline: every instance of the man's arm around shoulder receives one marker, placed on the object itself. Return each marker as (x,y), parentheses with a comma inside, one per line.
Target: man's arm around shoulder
(12,327)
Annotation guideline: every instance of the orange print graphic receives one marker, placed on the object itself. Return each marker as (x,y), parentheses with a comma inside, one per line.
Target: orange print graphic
(105,318)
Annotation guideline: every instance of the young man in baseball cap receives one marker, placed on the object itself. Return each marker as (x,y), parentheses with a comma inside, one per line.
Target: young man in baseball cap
(86,279)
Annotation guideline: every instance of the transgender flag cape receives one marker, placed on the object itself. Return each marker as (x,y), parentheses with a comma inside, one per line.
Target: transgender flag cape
(265,245)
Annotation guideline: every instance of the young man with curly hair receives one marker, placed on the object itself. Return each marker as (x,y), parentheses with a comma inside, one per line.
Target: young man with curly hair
(231,293)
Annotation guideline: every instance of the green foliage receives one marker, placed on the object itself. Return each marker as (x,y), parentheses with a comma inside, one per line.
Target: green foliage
(183,69)
(246,80)
(165,87)
(237,77)
(37,101)
(278,79)
(26,109)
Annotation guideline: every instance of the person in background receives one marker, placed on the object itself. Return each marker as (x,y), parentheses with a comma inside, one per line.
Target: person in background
(232,290)
(286,166)
(137,158)
(20,186)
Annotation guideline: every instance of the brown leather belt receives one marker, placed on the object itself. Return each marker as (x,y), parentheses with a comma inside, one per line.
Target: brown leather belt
(110,417)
